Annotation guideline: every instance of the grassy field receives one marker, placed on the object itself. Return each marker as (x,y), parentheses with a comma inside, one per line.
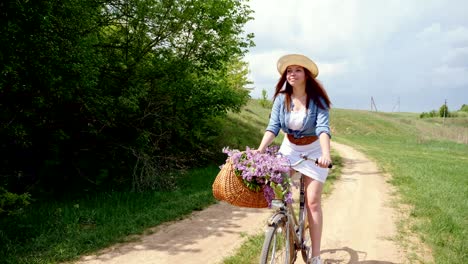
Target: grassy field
(428,160)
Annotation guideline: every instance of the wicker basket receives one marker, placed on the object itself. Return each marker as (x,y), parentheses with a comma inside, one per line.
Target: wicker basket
(230,188)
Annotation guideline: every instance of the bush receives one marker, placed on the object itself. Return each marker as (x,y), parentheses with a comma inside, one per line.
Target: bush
(464,108)
(264,102)
(12,203)
(433,113)
(444,111)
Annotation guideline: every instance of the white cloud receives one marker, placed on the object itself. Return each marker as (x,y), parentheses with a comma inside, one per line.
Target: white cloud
(448,78)
(458,36)
(430,33)
(457,57)
(332,69)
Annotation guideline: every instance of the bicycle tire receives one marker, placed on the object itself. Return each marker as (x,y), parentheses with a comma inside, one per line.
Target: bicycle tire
(278,246)
(306,239)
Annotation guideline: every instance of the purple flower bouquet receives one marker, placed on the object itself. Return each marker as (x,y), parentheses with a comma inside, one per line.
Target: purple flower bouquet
(263,170)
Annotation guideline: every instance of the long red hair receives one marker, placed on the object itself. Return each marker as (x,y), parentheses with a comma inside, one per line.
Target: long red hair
(314,91)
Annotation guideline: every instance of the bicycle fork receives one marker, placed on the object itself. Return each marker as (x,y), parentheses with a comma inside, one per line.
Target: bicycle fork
(303,222)
(301,211)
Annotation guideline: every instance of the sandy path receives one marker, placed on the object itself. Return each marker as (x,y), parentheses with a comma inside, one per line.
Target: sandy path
(359,225)
(359,222)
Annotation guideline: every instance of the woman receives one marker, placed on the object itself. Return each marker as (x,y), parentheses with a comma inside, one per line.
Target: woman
(301,110)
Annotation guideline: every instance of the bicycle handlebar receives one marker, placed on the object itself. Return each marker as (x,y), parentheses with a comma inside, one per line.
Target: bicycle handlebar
(304,158)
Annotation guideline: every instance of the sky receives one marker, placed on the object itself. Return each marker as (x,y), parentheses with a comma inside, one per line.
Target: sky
(406,56)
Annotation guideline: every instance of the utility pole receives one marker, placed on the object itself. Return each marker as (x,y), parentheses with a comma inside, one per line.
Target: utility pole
(445,111)
(397,106)
(373,106)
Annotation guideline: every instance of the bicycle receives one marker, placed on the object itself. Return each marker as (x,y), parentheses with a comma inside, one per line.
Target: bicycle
(286,234)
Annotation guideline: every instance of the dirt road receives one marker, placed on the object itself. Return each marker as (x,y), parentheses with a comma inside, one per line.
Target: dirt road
(359,226)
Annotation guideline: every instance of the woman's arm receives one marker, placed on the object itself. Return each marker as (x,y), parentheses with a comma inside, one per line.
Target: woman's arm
(274,125)
(268,137)
(323,131)
(325,159)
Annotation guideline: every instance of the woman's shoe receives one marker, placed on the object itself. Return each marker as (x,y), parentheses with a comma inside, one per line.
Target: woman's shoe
(315,260)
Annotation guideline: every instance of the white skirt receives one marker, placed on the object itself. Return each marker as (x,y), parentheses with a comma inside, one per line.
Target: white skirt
(308,168)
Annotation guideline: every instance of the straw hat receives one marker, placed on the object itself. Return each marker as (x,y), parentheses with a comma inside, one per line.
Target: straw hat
(297,59)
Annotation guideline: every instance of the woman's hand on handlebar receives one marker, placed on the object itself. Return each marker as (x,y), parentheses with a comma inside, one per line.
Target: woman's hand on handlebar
(324,162)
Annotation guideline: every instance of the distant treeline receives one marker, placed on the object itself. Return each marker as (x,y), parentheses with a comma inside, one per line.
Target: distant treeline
(114,94)
(445,112)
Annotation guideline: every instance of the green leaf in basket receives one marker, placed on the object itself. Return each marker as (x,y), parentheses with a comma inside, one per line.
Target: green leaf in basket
(252,186)
(277,189)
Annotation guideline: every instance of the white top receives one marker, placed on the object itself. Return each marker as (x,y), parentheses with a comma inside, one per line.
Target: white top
(296,120)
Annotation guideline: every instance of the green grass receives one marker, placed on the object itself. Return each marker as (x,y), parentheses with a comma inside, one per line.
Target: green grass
(429,168)
(58,231)
(249,252)
(247,127)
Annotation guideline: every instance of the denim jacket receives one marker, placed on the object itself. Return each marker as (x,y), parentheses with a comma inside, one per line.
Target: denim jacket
(315,122)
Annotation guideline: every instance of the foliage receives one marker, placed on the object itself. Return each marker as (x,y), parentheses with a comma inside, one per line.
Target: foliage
(433,113)
(444,111)
(11,203)
(96,93)
(264,102)
(464,108)
(265,171)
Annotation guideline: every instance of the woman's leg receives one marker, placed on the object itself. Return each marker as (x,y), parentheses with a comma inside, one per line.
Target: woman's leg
(314,212)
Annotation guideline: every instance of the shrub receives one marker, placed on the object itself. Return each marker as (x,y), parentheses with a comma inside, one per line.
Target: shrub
(264,102)
(12,203)
(430,114)
(444,111)
(464,108)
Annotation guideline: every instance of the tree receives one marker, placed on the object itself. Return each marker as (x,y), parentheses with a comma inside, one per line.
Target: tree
(444,111)
(464,108)
(177,70)
(93,92)
(49,67)
(264,102)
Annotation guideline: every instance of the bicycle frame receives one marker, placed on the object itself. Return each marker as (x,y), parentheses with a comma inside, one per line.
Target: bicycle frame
(284,219)
(286,212)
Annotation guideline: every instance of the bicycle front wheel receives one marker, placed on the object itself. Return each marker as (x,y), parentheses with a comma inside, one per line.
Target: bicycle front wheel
(277,244)
(306,240)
